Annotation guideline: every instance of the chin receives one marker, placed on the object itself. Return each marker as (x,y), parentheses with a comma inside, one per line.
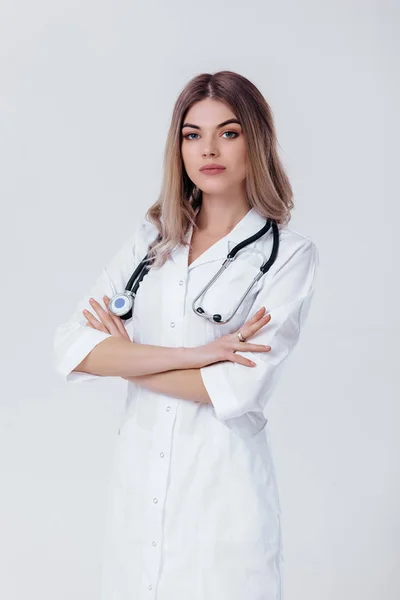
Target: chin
(213,184)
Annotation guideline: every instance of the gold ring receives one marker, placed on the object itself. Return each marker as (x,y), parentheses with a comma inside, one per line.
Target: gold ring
(240,336)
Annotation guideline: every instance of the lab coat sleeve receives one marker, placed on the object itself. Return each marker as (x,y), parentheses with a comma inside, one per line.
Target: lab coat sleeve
(73,340)
(238,391)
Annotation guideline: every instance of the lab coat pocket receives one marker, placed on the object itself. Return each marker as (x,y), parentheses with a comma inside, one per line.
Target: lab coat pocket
(124,456)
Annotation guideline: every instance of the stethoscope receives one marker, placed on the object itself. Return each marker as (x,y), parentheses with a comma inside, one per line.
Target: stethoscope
(121,305)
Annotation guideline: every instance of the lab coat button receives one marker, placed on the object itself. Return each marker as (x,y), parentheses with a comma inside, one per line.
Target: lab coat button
(150,587)
(172,324)
(162,454)
(181,282)
(155,500)
(154,544)
(168,408)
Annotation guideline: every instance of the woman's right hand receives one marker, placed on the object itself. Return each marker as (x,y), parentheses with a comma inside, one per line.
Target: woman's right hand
(225,347)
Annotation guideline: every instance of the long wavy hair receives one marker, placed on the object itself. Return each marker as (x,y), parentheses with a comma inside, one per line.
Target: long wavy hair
(267,186)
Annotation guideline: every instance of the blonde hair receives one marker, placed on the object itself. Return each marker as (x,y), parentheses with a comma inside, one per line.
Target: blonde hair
(267,186)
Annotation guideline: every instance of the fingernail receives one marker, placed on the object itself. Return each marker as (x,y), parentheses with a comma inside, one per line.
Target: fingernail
(268,347)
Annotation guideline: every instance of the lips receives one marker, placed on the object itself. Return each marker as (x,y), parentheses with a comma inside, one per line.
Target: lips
(212,167)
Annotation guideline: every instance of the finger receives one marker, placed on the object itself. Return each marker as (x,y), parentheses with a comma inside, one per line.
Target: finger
(260,323)
(243,347)
(104,317)
(256,316)
(256,319)
(117,320)
(241,360)
(249,330)
(93,322)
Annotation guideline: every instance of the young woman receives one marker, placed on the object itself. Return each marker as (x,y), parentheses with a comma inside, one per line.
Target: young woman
(194,510)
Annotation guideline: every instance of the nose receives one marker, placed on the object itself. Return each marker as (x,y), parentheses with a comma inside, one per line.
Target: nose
(209,153)
(209,146)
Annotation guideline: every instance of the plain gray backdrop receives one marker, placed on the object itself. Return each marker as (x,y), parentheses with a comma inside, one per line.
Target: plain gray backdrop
(87,91)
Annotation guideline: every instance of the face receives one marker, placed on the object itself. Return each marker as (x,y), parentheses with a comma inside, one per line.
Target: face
(206,138)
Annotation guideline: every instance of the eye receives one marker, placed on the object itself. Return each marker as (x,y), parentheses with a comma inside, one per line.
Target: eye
(234,132)
(230,138)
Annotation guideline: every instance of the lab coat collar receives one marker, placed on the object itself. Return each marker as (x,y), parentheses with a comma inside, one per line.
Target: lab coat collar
(252,222)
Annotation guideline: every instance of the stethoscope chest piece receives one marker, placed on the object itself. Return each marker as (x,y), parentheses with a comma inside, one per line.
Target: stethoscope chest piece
(121,304)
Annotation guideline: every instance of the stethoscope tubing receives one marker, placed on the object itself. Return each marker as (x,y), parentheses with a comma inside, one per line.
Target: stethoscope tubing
(122,304)
(216,318)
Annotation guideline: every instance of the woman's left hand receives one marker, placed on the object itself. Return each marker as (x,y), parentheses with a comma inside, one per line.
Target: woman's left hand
(108,323)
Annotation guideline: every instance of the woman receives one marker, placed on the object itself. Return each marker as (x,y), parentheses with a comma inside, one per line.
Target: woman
(194,508)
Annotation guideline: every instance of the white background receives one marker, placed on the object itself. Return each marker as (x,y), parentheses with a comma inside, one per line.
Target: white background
(87,91)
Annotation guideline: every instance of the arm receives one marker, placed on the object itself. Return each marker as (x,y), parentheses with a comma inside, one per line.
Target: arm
(239,394)
(118,357)
(186,384)
(85,354)
(236,392)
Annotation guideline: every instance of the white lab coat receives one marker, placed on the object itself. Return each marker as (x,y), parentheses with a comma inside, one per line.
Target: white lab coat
(194,510)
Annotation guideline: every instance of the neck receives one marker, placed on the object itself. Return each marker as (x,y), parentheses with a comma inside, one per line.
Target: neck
(217,218)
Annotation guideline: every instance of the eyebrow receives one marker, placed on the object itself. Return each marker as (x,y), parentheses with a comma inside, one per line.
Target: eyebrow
(218,126)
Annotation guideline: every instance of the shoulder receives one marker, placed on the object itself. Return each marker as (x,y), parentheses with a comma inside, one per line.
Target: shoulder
(141,234)
(138,240)
(293,242)
(293,238)
(296,251)
(146,233)
(293,273)
(133,247)
(148,229)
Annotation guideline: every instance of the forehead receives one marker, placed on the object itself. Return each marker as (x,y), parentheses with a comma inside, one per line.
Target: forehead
(209,112)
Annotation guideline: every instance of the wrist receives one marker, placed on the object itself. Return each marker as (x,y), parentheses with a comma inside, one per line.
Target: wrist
(188,358)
